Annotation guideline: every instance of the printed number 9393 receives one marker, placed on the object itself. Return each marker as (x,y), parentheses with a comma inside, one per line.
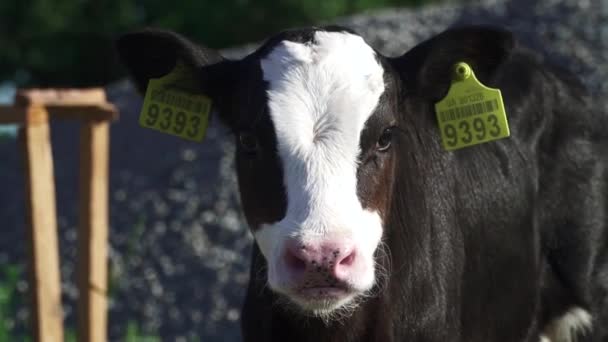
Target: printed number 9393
(175,122)
(465,132)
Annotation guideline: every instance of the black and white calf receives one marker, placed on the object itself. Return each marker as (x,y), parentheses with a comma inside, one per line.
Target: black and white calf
(366,229)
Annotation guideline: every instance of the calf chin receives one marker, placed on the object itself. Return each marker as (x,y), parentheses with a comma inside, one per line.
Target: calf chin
(328,311)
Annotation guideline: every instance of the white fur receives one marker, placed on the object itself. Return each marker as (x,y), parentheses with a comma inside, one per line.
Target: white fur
(563,329)
(320,96)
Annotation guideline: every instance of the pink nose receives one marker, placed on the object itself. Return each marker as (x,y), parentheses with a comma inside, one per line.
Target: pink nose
(319,265)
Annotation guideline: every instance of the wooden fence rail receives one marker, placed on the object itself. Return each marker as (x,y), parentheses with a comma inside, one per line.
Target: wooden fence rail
(33,110)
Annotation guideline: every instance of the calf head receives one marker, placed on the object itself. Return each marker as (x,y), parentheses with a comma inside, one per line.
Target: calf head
(322,123)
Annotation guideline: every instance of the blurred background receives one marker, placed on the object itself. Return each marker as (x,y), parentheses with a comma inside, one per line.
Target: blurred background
(41,40)
(179,249)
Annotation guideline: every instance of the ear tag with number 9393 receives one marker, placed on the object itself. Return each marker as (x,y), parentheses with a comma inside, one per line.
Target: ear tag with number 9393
(471,113)
(169,109)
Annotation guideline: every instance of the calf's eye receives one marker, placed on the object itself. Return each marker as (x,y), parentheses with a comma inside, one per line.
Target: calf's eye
(385,139)
(248,142)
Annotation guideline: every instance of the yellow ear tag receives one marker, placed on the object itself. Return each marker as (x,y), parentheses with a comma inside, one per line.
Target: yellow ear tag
(471,113)
(171,110)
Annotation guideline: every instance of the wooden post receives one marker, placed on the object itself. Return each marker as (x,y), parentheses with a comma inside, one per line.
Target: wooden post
(42,222)
(33,109)
(93,232)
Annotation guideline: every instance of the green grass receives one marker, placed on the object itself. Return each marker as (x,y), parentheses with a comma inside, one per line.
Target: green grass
(134,334)
(10,301)
(10,275)
(5,136)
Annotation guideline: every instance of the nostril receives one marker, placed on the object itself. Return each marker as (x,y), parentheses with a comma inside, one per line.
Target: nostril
(294,262)
(322,263)
(348,260)
(345,265)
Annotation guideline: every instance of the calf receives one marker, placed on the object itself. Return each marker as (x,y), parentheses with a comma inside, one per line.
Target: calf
(366,229)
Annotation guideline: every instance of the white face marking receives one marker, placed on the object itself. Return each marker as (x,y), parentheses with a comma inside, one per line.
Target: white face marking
(320,96)
(564,328)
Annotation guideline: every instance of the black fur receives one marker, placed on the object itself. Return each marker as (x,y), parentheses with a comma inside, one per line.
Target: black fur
(487,243)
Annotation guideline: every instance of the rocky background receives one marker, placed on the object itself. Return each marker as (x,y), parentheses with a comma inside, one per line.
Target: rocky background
(180,250)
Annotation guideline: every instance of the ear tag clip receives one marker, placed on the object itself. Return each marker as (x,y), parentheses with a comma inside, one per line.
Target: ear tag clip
(174,111)
(471,113)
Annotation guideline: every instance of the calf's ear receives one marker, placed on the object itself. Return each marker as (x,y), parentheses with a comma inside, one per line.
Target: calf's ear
(427,68)
(153,53)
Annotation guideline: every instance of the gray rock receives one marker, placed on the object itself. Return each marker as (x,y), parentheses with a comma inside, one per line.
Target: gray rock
(179,254)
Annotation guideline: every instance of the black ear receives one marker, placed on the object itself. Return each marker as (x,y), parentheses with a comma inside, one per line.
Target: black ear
(153,53)
(427,68)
